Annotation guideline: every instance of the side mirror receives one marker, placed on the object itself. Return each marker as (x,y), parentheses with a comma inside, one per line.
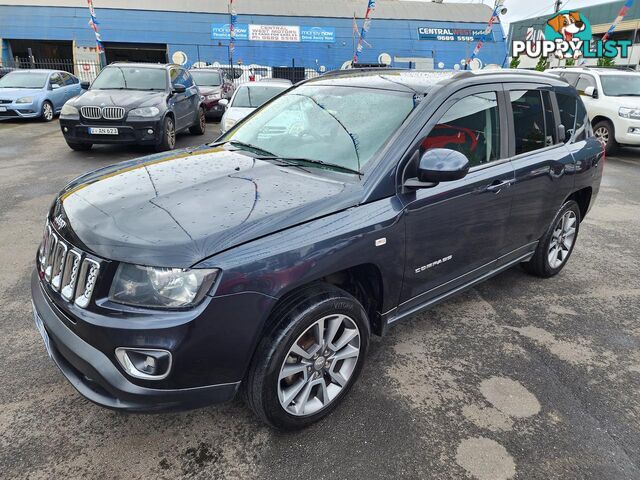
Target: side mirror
(591,92)
(224,102)
(85,85)
(179,88)
(439,165)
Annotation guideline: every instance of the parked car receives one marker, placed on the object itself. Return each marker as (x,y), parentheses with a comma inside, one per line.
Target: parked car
(5,70)
(214,86)
(36,93)
(612,99)
(170,281)
(247,98)
(134,103)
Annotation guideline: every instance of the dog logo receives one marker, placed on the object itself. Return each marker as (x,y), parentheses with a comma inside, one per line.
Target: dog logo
(567,24)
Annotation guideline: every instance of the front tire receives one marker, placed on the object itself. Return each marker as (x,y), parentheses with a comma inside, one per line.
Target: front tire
(605,132)
(555,247)
(168,141)
(200,127)
(46,112)
(310,360)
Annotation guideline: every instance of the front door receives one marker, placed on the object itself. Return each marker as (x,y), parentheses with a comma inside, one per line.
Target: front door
(456,230)
(58,94)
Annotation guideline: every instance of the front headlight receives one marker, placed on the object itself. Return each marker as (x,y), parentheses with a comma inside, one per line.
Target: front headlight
(25,100)
(213,96)
(629,112)
(144,112)
(161,287)
(229,123)
(69,110)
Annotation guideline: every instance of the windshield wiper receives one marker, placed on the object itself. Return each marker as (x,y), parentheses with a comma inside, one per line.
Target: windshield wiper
(255,148)
(298,161)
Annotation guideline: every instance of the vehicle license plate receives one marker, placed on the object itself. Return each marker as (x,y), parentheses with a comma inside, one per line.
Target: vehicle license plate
(103,131)
(3,109)
(41,329)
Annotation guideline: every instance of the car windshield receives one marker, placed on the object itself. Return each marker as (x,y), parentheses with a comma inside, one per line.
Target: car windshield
(131,78)
(24,80)
(252,96)
(621,85)
(343,126)
(206,79)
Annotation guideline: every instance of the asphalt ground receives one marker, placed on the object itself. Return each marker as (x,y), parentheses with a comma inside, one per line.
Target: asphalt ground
(518,378)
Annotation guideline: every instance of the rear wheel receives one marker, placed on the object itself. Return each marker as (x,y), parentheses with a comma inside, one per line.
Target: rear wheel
(555,247)
(80,147)
(305,367)
(604,131)
(200,127)
(46,113)
(168,141)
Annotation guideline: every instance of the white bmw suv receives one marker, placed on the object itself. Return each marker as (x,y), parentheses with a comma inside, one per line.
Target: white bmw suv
(612,99)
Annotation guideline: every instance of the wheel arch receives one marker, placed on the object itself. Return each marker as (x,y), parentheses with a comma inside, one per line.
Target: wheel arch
(583,198)
(600,118)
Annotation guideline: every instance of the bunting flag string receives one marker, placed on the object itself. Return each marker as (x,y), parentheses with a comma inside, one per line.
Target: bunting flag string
(366,25)
(232,27)
(93,23)
(487,31)
(621,14)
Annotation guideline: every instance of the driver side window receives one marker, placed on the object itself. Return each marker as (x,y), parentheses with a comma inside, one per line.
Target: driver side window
(471,127)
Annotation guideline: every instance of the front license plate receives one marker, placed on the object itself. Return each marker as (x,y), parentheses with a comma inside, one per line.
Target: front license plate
(103,131)
(3,109)
(41,329)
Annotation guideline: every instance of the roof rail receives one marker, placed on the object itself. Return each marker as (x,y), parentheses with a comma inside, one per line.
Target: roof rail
(353,71)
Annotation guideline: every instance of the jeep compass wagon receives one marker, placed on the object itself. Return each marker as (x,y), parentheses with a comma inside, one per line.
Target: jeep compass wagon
(263,263)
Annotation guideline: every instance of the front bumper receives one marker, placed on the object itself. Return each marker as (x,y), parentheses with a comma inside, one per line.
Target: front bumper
(19,110)
(129,132)
(212,107)
(627,131)
(94,375)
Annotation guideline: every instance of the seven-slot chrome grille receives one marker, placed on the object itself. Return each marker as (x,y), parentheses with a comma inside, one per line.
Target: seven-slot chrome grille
(69,271)
(108,113)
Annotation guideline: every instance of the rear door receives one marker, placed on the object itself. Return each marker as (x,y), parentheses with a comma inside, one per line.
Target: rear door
(544,167)
(456,230)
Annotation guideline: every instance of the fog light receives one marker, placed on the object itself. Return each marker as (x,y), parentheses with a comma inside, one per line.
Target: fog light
(65,129)
(634,130)
(150,131)
(146,364)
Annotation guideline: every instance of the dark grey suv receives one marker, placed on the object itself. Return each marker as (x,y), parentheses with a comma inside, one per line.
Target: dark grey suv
(264,261)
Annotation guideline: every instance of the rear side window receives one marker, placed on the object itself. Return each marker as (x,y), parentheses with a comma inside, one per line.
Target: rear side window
(528,120)
(567,105)
(470,126)
(582,122)
(571,77)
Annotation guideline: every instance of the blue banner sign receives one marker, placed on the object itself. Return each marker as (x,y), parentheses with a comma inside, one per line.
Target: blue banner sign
(221,31)
(453,34)
(318,34)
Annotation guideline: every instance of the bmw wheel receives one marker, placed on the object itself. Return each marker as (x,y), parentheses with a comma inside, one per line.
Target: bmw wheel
(201,124)
(303,370)
(47,111)
(168,141)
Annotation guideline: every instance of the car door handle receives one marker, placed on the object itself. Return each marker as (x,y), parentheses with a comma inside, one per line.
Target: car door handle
(498,185)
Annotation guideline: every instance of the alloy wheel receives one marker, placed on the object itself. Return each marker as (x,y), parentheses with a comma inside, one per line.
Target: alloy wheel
(562,239)
(319,365)
(602,134)
(170,133)
(47,112)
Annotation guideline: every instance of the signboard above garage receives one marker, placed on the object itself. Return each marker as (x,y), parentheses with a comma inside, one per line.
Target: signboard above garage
(453,34)
(274,33)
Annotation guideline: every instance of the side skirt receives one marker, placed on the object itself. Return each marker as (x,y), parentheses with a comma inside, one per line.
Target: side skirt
(393,316)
